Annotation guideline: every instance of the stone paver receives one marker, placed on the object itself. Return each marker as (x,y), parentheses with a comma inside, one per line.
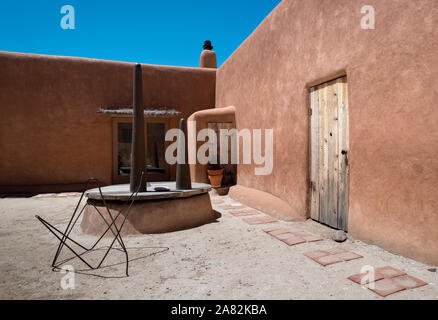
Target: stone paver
(335,250)
(312,238)
(283,236)
(386,281)
(245,213)
(260,220)
(389,280)
(409,282)
(332,256)
(389,272)
(293,236)
(316,254)
(231,207)
(273,228)
(385,287)
(276,231)
(365,276)
(293,240)
(336,258)
(309,237)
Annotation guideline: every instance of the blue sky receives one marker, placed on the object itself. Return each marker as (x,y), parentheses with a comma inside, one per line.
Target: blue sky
(168,32)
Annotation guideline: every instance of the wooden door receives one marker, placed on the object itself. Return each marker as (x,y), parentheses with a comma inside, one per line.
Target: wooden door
(329,153)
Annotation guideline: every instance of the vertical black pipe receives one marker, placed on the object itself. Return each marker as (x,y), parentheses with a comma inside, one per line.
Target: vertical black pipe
(183,181)
(138,152)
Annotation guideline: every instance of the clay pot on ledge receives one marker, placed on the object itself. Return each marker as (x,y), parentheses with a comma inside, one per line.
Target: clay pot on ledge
(215,174)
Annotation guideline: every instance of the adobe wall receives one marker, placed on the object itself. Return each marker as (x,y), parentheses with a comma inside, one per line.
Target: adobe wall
(50,131)
(392,82)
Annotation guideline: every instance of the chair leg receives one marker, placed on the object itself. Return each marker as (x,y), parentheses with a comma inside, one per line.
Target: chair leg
(63,237)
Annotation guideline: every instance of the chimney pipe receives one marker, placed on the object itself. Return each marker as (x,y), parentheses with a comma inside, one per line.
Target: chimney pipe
(208,56)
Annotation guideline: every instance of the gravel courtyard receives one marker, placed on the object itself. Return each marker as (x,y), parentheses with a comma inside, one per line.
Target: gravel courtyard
(228,259)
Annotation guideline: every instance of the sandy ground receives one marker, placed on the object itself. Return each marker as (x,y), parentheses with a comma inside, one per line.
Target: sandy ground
(224,260)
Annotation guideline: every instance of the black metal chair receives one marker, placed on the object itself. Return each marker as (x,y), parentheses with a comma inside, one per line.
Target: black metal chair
(64,237)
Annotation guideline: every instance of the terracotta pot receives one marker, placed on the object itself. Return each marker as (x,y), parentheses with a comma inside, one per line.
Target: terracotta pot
(215,177)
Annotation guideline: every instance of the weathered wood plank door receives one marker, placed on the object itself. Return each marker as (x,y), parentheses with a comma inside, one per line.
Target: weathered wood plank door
(329,153)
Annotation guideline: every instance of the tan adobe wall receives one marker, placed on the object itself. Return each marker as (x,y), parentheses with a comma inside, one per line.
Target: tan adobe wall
(50,131)
(393,93)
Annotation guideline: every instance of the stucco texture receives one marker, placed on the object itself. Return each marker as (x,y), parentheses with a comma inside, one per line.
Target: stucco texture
(50,131)
(392,86)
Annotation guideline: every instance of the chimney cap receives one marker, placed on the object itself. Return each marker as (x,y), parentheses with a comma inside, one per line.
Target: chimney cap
(207,45)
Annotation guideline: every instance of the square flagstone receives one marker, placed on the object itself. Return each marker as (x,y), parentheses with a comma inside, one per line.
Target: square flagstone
(273,228)
(336,250)
(281,233)
(283,236)
(299,233)
(326,259)
(278,232)
(409,282)
(293,240)
(348,256)
(245,213)
(330,259)
(229,207)
(358,278)
(316,254)
(389,272)
(389,280)
(311,237)
(260,220)
(385,287)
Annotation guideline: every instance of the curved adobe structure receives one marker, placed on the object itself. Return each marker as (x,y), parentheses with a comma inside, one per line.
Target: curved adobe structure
(201,119)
